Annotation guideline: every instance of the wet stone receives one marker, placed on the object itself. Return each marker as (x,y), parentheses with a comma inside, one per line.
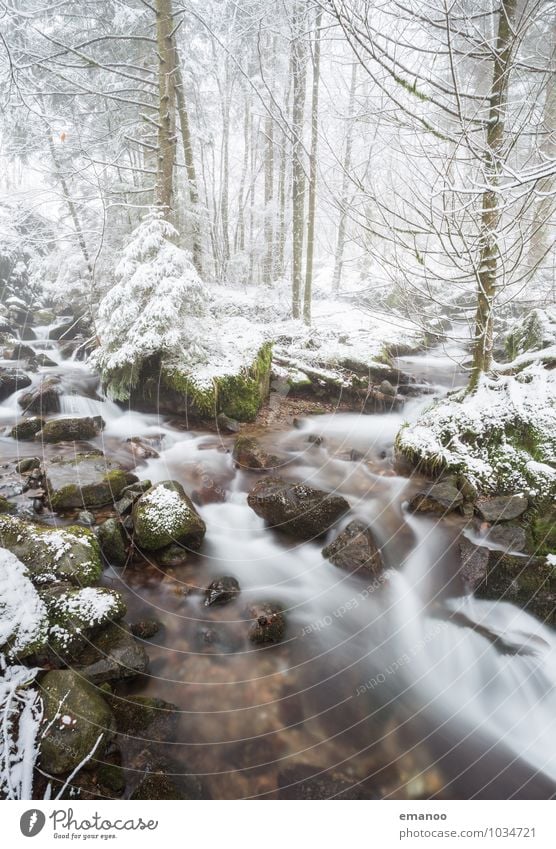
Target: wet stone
(440,498)
(354,549)
(221,591)
(296,509)
(268,624)
(27,428)
(145,628)
(502,508)
(307,781)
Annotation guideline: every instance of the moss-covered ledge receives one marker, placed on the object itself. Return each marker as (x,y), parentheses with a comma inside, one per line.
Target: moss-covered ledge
(166,387)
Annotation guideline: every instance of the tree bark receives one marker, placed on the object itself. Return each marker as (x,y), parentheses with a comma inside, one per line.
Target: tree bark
(346,165)
(197,250)
(308,293)
(489,259)
(164,191)
(298,172)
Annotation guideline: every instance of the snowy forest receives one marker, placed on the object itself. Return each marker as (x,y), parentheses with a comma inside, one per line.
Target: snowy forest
(277,399)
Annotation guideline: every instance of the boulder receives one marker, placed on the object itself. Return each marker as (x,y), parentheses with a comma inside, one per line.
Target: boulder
(43,398)
(248,453)
(527,580)
(11,380)
(354,549)
(268,623)
(166,515)
(70,329)
(50,554)
(221,591)
(76,720)
(440,498)
(296,509)
(45,361)
(22,352)
(113,655)
(27,429)
(227,424)
(76,614)
(502,508)
(70,429)
(85,480)
(7,506)
(112,540)
(136,715)
(29,464)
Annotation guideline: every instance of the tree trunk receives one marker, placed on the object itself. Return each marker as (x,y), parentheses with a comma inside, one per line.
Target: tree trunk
(308,294)
(269,179)
(298,172)
(164,191)
(197,250)
(491,210)
(346,165)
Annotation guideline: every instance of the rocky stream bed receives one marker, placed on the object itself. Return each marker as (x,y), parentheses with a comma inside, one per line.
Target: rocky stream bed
(281,609)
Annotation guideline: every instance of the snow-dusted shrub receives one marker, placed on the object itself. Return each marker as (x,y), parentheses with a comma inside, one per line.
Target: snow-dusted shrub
(154,307)
(503,436)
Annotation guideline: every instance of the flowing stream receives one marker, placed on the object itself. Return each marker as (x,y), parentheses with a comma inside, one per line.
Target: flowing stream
(373,680)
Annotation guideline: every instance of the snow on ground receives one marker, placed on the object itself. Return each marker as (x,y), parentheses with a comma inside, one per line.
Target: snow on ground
(21,714)
(23,620)
(503,436)
(341,334)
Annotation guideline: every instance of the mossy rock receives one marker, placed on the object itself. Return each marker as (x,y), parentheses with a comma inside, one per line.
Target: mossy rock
(113,655)
(166,515)
(543,531)
(239,396)
(100,482)
(111,537)
(76,614)
(52,554)
(158,786)
(70,429)
(75,717)
(6,506)
(27,429)
(11,380)
(146,717)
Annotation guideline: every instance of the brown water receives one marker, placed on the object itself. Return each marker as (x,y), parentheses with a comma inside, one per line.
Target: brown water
(371,680)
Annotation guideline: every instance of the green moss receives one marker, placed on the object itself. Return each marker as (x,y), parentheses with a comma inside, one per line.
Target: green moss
(239,396)
(6,506)
(71,554)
